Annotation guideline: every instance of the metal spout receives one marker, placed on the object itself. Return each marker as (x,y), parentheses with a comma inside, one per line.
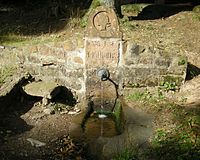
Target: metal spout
(103,74)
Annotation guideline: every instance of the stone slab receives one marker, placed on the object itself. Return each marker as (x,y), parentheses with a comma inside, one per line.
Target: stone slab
(41,89)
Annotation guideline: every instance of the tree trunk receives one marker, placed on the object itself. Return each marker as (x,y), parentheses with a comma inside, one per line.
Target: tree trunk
(115,4)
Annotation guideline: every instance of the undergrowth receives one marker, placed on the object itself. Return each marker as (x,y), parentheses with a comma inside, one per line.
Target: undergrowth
(176,129)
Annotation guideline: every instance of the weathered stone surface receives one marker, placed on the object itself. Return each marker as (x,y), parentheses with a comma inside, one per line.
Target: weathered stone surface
(103,23)
(33,69)
(102,52)
(103,49)
(129,64)
(138,129)
(49,71)
(149,67)
(178,80)
(33,59)
(42,89)
(163,62)
(78,60)
(72,83)
(189,92)
(68,46)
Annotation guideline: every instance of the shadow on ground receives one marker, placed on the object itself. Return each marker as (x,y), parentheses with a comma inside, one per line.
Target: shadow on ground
(152,12)
(183,142)
(12,106)
(192,71)
(29,19)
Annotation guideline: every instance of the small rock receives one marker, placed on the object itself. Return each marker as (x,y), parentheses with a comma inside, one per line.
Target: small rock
(45,101)
(2,47)
(48,111)
(35,142)
(8,131)
(64,112)
(72,112)
(77,110)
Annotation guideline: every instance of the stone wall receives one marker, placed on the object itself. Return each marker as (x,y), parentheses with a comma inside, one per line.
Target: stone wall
(139,66)
(48,62)
(147,66)
(129,64)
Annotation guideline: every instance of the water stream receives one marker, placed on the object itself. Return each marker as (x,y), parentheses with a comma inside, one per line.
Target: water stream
(101,116)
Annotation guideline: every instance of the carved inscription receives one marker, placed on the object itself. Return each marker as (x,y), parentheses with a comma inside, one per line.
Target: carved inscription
(103,22)
(101,53)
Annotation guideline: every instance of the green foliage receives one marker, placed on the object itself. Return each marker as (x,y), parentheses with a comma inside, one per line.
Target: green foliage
(133,8)
(196,9)
(95,4)
(117,114)
(141,96)
(180,142)
(147,97)
(11,38)
(58,107)
(127,154)
(196,17)
(167,86)
(130,25)
(181,62)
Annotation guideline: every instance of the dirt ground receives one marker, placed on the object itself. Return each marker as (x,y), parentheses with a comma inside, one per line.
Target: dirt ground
(176,30)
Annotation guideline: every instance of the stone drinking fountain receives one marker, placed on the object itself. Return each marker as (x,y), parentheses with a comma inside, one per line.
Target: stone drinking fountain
(80,69)
(99,72)
(103,69)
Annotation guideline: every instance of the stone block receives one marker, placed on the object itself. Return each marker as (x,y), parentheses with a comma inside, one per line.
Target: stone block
(33,49)
(65,72)
(68,46)
(163,62)
(72,83)
(21,58)
(45,50)
(78,60)
(61,54)
(34,59)
(146,60)
(134,50)
(49,71)
(178,66)
(33,69)
(100,52)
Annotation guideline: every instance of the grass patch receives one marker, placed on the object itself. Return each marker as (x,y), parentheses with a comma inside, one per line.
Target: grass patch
(176,135)
(13,39)
(180,142)
(145,96)
(168,86)
(5,73)
(128,25)
(133,8)
(127,154)
(94,5)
